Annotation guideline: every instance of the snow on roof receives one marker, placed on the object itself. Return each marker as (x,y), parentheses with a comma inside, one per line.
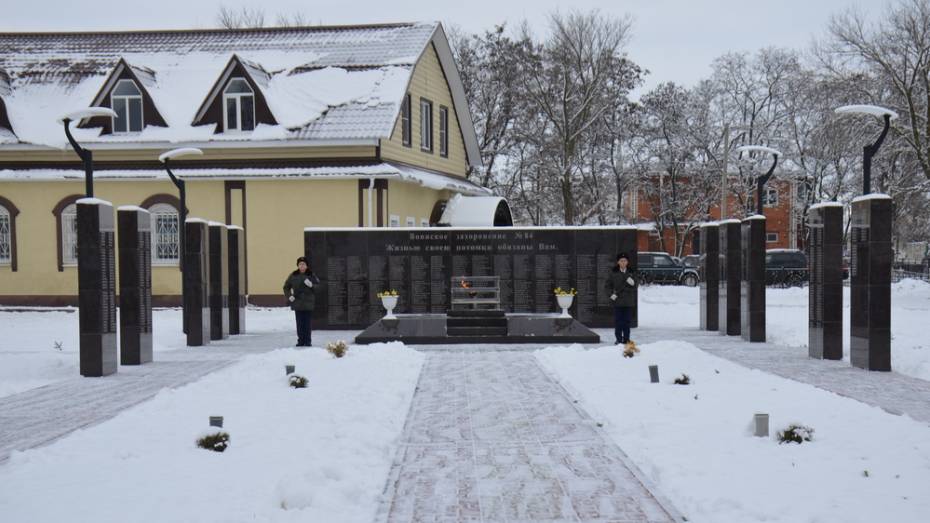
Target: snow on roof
(405,173)
(470,211)
(728,220)
(754,217)
(305,73)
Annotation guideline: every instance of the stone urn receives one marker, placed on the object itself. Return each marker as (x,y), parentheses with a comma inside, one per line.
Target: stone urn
(565,301)
(389,302)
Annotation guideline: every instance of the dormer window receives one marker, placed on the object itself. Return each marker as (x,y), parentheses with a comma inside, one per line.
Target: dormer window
(126,100)
(239,105)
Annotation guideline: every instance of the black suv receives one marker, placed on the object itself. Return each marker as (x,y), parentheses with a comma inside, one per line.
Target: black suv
(785,267)
(659,267)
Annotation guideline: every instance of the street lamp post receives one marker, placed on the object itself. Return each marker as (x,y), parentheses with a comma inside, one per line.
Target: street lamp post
(752,282)
(762,180)
(868,151)
(166,158)
(86,155)
(871,255)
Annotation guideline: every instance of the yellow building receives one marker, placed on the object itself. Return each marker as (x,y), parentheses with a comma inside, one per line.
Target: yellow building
(312,126)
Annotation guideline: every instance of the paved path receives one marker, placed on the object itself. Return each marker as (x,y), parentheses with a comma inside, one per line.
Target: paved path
(893,392)
(43,415)
(490,437)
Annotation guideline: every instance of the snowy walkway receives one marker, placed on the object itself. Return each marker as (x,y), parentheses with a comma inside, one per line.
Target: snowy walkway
(893,392)
(491,437)
(40,416)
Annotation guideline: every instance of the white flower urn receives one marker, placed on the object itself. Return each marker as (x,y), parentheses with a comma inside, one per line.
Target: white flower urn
(565,301)
(389,302)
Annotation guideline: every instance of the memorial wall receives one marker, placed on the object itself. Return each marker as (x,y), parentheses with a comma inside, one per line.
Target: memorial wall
(419,263)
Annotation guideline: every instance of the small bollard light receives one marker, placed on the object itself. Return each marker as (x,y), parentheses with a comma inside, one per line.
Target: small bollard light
(761,425)
(216,421)
(654,373)
(288,370)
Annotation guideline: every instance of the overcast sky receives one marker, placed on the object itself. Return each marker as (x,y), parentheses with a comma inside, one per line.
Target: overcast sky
(676,40)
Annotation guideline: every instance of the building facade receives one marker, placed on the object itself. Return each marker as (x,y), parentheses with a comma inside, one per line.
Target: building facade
(300,127)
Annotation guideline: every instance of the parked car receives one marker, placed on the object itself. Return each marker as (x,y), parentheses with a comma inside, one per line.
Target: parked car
(785,267)
(659,267)
(692,261)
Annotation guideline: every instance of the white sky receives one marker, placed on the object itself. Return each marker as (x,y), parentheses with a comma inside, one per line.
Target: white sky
(675,39)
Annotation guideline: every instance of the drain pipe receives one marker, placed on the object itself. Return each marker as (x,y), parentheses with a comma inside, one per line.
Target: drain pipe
(371,188)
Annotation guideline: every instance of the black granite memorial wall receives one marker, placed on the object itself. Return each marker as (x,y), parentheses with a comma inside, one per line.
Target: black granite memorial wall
(871,257)
(356,264)
(219,281)
(135,285)
(237,303)
(752,295)
(825,267)
(197,282)
(710,277)
(96,287)
(729,322)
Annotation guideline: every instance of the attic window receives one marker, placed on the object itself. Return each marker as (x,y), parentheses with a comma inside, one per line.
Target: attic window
(126,100)
(239,106)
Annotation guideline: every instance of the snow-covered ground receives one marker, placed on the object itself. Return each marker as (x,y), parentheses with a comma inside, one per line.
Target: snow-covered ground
(667,306)
(30,358)
(695,441)
(315,454)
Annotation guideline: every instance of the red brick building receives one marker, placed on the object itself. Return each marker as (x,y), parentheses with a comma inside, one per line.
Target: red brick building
(783,225)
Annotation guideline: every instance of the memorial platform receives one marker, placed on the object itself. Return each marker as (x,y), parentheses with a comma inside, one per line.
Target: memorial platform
(477,326)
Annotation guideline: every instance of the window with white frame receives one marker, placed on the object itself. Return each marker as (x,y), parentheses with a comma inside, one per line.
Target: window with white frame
(394,221)
(6,237)
(771,197)
(443,131)
(426,125)
(424,222)
(126,102)
(69,244)
(771,237)
(238,106)
(166,240)
(411,221)
(405,129)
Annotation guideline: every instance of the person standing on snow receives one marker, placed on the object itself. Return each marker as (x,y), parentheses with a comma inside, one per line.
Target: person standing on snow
(301,295)
(621,284)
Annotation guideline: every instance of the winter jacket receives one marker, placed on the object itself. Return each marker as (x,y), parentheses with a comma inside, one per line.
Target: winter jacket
(304,295)
(617,284)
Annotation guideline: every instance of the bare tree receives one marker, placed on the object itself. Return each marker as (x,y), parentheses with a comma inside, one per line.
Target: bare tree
(244,18)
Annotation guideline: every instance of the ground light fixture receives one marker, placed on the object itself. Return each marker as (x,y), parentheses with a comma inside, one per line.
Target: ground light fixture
(86,155)
(869,151)
(761,181)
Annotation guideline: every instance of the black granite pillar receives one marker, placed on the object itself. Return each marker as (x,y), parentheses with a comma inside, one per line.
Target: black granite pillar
(710,276)
(135,285)
(219,281)
(752,293)
(196,281)
(871,258)
(237,303)
(96,287)
(825,267)
(729,283)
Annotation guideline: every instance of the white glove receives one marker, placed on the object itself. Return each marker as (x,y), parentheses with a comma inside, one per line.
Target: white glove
(290,299)
(630,281)
(613,297)
(308,283)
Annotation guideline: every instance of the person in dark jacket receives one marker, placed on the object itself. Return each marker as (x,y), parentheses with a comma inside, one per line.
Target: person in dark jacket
(621,284)
(300,292)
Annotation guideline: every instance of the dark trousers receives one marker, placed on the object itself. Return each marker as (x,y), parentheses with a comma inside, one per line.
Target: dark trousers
(303,328)
(622,316)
